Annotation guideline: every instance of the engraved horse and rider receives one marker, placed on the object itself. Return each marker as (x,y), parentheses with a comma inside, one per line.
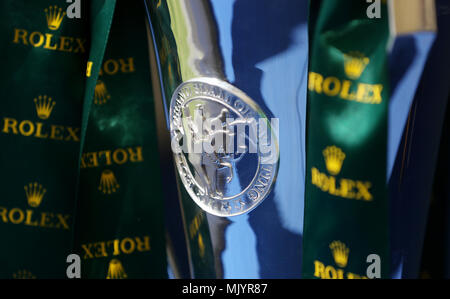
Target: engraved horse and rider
(211,146)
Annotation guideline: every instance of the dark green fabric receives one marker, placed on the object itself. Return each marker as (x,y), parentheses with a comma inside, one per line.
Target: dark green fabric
(346,214)
(41,149)
(120,230)
(101,15)
(50,124)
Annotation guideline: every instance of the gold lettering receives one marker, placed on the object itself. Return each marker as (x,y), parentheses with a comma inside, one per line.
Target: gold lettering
(63,221)
(83,164)
(346,186)
(48,42)
(331,81)
(143,245)
(330,273)
(315,82)
(325,182)
(80,46)
(107,155)
(315,176)
(340,274)
(331,185)
(17,216)
(39,42)
(87,251)
(377,89)
(65,44)
(332,86)
(345,91)
(13,212)
(127,67)
(107,68)
(319,269)
(20,34)
(355,276)
(89,69)
(363,190)
(3,212)
(195,225)
(10,123)
(38,131)
(362,94)
(72,134)
(116,156)
(30,128)
(91,159)
(136,156)
(46,220)
(101,249)
(29,218)
(124,248)
(115,246)
(56,132)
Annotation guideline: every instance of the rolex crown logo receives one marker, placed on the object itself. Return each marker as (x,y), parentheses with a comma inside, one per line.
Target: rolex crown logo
(115,270)
(55,16)
(44,106)
(35,193)
(108,182)
(355,64)
(340,253)
(334,157)
(101,95)
(23,274)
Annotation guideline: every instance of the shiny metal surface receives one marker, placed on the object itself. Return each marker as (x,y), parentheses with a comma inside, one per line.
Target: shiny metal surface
(226,170)
(259,47)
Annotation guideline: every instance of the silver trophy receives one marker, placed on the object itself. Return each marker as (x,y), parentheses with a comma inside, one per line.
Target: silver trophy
(231,80)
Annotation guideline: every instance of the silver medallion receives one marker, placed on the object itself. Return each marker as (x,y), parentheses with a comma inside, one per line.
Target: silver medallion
(225,147)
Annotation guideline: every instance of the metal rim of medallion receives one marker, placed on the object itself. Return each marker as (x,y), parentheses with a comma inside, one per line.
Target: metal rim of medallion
(225,94)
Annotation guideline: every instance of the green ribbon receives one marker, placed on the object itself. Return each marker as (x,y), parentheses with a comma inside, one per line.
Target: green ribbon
(346,207)
(120,231)
(42,84)
(52,123)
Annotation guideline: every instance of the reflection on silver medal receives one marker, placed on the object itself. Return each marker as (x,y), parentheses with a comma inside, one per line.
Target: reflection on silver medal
(225,147)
